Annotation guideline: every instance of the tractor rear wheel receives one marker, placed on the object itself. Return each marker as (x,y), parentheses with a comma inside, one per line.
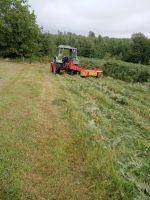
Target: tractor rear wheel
(58,68)
(51,67)
(54,68)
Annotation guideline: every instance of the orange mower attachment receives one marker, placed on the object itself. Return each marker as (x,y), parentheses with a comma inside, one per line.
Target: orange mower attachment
(91,72)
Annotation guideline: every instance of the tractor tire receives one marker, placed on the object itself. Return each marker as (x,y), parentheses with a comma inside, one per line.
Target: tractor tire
(57,71)
(54,68)
(51,67)
(72,73)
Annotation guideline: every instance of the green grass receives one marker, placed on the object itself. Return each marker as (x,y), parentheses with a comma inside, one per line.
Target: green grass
(66,137)
(115,132)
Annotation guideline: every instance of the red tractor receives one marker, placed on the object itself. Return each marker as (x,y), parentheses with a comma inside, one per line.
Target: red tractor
(67,60)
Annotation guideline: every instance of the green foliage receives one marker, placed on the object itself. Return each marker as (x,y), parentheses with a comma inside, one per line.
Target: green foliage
(92,46)
(139,49)
(127,72)
(143,76)
(91,34)
(19,32)
(47,46)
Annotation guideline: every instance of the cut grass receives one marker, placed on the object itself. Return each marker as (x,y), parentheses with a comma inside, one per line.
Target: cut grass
(65,137)
(121,129)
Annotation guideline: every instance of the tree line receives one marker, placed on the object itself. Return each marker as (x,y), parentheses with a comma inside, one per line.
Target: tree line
(21,37)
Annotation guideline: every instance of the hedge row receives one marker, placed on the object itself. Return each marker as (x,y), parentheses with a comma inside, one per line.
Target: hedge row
(127,72)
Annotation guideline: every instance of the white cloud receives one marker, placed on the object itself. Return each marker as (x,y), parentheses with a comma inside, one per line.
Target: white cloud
(116,18)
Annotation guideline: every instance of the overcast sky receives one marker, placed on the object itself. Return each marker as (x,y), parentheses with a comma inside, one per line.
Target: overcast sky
(114,18)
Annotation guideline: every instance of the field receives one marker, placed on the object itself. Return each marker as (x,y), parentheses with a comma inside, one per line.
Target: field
(70,138)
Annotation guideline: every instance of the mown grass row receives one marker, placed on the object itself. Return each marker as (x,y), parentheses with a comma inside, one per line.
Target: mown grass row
(111,122)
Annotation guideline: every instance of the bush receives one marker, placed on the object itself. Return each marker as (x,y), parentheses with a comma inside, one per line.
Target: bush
(143,76)
(127,72)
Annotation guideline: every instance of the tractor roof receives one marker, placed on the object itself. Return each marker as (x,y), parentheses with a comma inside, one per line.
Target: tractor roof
(66,47)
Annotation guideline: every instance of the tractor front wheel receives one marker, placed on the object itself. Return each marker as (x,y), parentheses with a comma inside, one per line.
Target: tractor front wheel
(58,71)
(72,72)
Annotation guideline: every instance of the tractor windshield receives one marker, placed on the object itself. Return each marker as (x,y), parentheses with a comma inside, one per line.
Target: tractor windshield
(71,53)
(67,51)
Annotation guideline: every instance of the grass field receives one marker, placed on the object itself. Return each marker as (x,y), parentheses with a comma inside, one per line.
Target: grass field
(70,138)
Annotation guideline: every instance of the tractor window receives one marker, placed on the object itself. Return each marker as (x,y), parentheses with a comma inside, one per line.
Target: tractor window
(71,53)
(67,52)
(64,52)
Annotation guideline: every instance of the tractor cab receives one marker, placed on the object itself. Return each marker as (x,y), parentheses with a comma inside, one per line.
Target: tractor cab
(67,53)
